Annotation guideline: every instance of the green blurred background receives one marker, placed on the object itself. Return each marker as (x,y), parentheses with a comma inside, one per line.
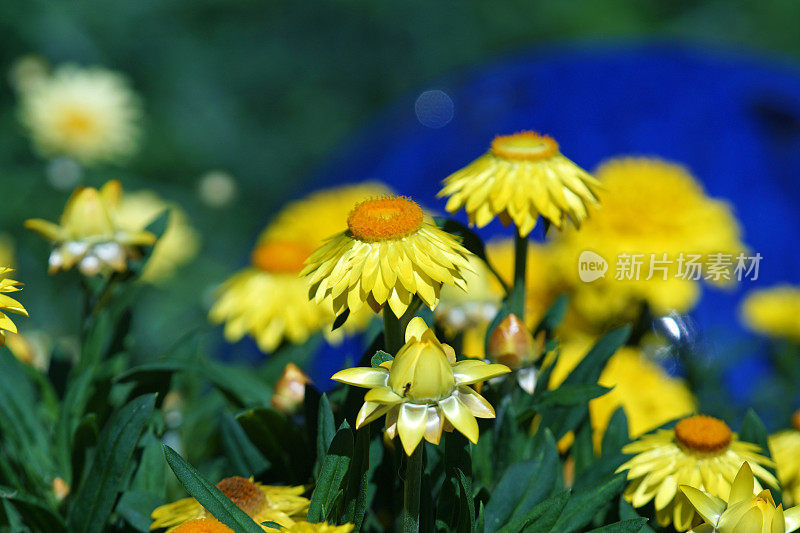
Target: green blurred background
(266,90)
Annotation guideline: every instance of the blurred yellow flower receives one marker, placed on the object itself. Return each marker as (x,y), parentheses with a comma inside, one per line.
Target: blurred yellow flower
(323,527)
(785,448)
(269,300)
(701,452)
(649,396)
(89,235)
(290,389)
(388,254)
(521,177)
(657,209)
(423,391)
(179,243)
(262,503)
(744,511)
(202,525)
(7,256)
(8,304)
(774,312)
(88,114)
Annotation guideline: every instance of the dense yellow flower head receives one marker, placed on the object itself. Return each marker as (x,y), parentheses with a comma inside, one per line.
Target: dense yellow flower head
(649,396)
(269,300)
(785,448)
(745,509)
(388,254)
(88,114)
(423,391)
(322,527)
(774,312)
(89,233)
(649,207)
(521,177)
(702,452)
(179,243)
(8,304)
(202,525)
(262,503)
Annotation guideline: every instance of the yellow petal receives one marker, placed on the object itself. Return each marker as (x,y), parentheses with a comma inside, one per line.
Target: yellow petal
(742,488)
(461,418)
(384,395)
(48,230)
(369,412)
(362,376)
(708,506)
(792,518)
(411,425)
(472,371)
(416,327)
(476,403)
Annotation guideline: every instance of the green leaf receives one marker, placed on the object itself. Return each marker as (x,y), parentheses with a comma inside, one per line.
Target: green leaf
(355,498)
(625,526)
(554,315)
(244,456)
(542,517)
(467,522)
(616,435)
(571,395)
(334,468)
(280,441)
(583,504)
(380,357)
(210,497)
(98,491)
(524,484)
(753,430)
(33,511)
(627,512)
(326,429)
(272,525)
(135,506)
(340,319)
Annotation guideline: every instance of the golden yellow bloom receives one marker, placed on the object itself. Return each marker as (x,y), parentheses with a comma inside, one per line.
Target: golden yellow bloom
(290,389)
(785,448)
(423,391)
(262,503)
(202,525)
(649,396)
(744,511)
(88,114)
(179,243)
(388,254)
(701,452)
(269,300)
(521,177)
(89,235)
(774,312)
(7,250)
(323,527)
(8,304)
(657,209)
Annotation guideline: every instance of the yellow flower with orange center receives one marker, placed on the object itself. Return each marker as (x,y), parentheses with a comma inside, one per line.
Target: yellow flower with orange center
(423,391)
(702,452)
(521,177)
(202,525)
(8,304)
(262,503)
(785,448)
(269,300)
(388,254)
(774,312)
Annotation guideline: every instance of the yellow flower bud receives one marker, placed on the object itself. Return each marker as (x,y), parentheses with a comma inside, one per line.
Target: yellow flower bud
(421,371)
(60,488)
(290,390)
(512,344)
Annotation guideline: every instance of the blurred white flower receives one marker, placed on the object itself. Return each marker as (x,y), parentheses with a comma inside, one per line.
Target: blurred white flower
(217,188)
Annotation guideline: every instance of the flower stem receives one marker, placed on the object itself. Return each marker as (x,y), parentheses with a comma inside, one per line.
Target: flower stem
(411,490)
(517,303)
(392,332)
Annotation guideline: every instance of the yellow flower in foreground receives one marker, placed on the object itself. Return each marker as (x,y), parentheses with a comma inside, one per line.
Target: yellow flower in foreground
(774,312)
(89,235)
(262,503)
(269,300)
(88,114)
(323,527)
(202,525)
(701,452)
(521,177)
(178,244)
(8,304)
(650,207)
(744,511)
(649,396)
(785,448)
(423,391)
(389,254)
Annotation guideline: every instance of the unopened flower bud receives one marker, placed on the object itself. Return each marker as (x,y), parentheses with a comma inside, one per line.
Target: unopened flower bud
(290,390)
(60,488)
(512,344)
(422,372)
(796,420)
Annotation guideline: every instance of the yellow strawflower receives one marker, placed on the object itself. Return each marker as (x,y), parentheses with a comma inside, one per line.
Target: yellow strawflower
(269,300)
(521,177)
(785,448)
(322,527)
(650,207)
(774,312)
(423,391)
(388,254)
(202,525)
(746,510)
(88,114)
(702,452)
(8,304)
(89,235)
(262,503)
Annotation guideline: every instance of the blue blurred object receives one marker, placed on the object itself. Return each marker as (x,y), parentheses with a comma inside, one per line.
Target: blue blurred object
(733,120)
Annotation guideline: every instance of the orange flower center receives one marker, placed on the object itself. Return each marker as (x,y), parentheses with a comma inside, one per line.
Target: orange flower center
(380,219)
(244,493)
(703,433)
(526,145)
(280,257)
(796,420)
(202,525)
